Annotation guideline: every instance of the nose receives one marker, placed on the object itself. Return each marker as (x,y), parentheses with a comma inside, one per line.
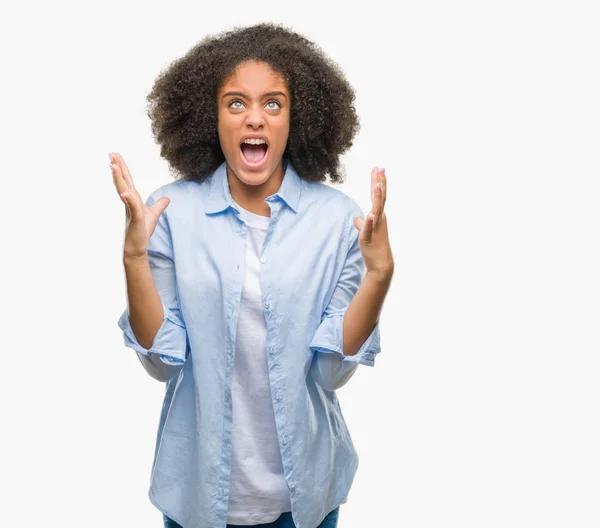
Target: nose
(254,117)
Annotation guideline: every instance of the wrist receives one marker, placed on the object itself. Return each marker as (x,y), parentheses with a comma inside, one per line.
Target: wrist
(135,260)
(381,276)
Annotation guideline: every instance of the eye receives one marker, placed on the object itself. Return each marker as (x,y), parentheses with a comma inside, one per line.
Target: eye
(273,102)
(236,104)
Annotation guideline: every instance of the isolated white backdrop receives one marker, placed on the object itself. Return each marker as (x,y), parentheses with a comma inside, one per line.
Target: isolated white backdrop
(482,409)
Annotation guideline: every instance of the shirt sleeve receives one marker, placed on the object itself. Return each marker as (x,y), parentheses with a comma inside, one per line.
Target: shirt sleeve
(168,352)
(330,367)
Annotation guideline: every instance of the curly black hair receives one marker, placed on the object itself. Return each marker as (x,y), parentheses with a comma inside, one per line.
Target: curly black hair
(182,104)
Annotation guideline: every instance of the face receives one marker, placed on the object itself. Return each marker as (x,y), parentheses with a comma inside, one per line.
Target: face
(254,123)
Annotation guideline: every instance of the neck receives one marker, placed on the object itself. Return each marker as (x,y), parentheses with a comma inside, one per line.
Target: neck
(252,197)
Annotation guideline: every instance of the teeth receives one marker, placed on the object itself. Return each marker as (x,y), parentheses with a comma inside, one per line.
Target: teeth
(254,141)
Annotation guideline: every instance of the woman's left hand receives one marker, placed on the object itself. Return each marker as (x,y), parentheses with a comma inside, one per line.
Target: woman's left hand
(373,237)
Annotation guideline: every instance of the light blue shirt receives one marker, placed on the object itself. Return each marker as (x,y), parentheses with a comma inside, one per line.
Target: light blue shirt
(311,269)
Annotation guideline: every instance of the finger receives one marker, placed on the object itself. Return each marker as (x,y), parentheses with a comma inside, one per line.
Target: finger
(124,170)
(367,230)
(118,179)
(124,198)
(374,172)
(359,222)
(134,207)
(160,205)
(130,197)
(383,181)
(377,208)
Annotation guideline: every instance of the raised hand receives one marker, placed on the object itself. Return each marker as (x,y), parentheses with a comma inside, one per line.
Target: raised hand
(141,220)
(373,238)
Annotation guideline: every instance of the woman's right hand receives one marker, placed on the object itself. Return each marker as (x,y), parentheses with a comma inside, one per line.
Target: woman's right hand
(141,220)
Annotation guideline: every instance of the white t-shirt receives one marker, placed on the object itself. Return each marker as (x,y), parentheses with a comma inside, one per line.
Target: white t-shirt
(258,493)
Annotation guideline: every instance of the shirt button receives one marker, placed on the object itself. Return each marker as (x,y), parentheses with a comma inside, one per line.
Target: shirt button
(292,485)
(263,259)
(285,440)
(266,305)
(278,395)
(274,214)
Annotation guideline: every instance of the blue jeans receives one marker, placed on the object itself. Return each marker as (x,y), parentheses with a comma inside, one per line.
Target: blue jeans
(284,521)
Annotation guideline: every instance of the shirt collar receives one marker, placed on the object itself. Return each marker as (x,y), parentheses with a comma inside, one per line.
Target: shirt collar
(219,196)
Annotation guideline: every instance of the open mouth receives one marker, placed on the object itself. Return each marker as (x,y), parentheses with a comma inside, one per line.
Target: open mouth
(254,152)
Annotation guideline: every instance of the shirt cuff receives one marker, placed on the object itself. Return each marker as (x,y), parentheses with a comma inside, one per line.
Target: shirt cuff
(329,338)
(169,342)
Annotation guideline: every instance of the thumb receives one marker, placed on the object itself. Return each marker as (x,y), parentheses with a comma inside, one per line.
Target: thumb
(359,222)
(160,205)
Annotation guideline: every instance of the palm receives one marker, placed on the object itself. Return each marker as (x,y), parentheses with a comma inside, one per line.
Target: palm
(141,219)
(373,238)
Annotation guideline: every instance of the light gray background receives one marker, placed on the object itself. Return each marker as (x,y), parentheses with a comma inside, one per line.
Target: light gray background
(482,409)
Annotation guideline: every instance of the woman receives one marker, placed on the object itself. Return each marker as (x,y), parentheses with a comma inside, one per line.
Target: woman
(244,295)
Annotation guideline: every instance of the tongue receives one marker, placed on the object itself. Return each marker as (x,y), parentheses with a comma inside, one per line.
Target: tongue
(254,153)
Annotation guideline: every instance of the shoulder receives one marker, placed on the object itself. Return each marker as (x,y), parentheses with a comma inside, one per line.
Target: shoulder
(336,207)
(336,201)
(179,191)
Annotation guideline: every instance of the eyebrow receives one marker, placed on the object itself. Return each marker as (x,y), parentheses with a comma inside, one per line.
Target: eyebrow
(242,94)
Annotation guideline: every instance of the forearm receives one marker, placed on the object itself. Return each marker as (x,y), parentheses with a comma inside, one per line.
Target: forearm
(363,312)
(144,303)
